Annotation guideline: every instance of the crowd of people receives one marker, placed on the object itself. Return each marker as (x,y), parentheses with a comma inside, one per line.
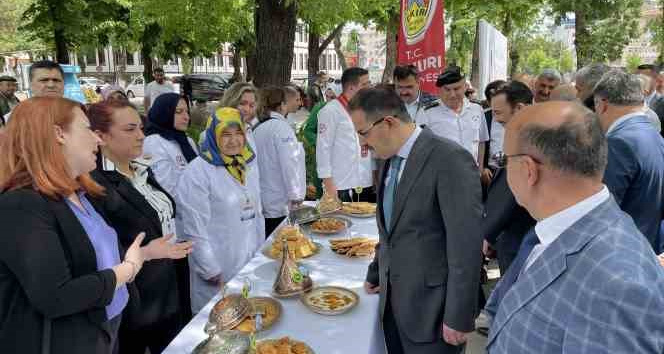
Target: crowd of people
(118,227)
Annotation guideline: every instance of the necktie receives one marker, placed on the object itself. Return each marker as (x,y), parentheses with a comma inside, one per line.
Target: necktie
(513,272)
(390,190)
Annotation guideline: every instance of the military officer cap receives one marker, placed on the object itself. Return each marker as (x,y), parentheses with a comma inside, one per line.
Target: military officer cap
(451,75)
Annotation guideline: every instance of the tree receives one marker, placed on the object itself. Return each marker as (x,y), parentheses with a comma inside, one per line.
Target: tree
(68,24)
(539,53)
(514,18)
(656,28)
(633,61)
(603,28)
(275,22)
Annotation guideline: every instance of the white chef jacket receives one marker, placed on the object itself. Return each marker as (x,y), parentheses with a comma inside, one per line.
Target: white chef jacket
(467,129)
(338,151)
(281,165)
(223,219)
(166,160)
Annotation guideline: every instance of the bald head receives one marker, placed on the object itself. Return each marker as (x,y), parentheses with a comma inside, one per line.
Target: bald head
(565,92)
(563,135)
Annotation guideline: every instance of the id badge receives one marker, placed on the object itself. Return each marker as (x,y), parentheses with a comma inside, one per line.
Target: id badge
(248,210)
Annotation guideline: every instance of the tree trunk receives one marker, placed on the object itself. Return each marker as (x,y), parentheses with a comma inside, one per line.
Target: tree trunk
(275,38)
(391,37)
(313,61)
(237,64)
(61,52)
(583,57)
(340,53)
(251,63)
(317,47)
(149,38)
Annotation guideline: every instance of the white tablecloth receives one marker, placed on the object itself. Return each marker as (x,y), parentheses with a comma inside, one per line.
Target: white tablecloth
(356,332)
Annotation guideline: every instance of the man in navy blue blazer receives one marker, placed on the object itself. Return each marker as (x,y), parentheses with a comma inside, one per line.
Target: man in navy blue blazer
(635,169)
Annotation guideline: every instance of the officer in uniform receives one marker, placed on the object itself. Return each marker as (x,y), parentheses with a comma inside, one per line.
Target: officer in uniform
(454,117)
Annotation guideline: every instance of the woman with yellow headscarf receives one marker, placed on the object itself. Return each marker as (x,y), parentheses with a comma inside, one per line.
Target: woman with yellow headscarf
(219,198)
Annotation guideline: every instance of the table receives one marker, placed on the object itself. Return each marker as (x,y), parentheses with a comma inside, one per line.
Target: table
(357,331)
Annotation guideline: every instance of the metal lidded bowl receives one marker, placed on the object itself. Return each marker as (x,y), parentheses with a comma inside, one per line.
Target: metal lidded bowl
(224,342)
(304,215)
(227,313)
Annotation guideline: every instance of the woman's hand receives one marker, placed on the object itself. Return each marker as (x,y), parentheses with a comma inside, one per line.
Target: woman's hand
(161,248)
(135,253)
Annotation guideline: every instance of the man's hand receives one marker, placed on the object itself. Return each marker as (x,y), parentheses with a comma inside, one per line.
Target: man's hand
(486,177)
(487,250)
(454,337)
(661,259)
(371,288)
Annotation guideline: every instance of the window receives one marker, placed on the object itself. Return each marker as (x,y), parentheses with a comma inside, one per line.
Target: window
(102,56)
(329,61)
(301,62)
(199,61)
(294,62)
(140,59)
(220,60)
(321,63)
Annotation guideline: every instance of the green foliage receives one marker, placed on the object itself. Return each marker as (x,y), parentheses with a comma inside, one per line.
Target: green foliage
(11,38)
(604,27)
(80,22)
(632,61)
(508,16)
(540,53)
(656,28)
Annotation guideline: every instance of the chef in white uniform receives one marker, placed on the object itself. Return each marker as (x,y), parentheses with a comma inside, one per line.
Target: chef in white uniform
(220,202)
(281,158)
(167,145)
(456,118)
(345,166)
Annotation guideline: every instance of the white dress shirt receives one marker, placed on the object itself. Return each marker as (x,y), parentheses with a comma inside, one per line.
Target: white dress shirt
(281,165)
(415,110)
(155,89)
(404,152)
(496,145)
(338,152)
(467,128)
(224,220)
(549,229)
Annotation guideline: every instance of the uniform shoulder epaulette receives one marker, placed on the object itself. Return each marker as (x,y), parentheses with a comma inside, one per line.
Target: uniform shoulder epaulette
(432,104)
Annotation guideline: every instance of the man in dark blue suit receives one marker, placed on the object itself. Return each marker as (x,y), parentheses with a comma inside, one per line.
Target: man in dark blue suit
(635,170)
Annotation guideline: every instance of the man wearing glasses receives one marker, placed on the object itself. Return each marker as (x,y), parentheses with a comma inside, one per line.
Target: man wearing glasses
(344,165)
(427,264)
(456,118)
(505,222)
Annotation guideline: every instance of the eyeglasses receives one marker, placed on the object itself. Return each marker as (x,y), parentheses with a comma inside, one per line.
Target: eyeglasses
(366,132)
(501,158)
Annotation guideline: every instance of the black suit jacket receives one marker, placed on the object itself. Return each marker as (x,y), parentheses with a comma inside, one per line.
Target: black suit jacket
(48,269)
(505,222)
(153,296)
(431,256)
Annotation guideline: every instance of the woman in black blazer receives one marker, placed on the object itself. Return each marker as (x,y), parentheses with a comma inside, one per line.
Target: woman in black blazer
(60,278)
(135,203)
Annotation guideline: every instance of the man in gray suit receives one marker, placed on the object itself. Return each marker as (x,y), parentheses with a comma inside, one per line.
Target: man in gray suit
(427,264)
(585,280)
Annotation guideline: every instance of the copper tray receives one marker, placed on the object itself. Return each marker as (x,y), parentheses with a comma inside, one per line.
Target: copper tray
(356,215)
(268,254)
(347,225)
(312,300)
(273,312)
(310,351)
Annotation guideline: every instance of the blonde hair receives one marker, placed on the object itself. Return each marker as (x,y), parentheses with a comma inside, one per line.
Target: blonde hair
(233,95)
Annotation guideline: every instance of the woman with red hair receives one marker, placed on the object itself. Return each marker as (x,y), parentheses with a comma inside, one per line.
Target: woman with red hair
(62,283)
